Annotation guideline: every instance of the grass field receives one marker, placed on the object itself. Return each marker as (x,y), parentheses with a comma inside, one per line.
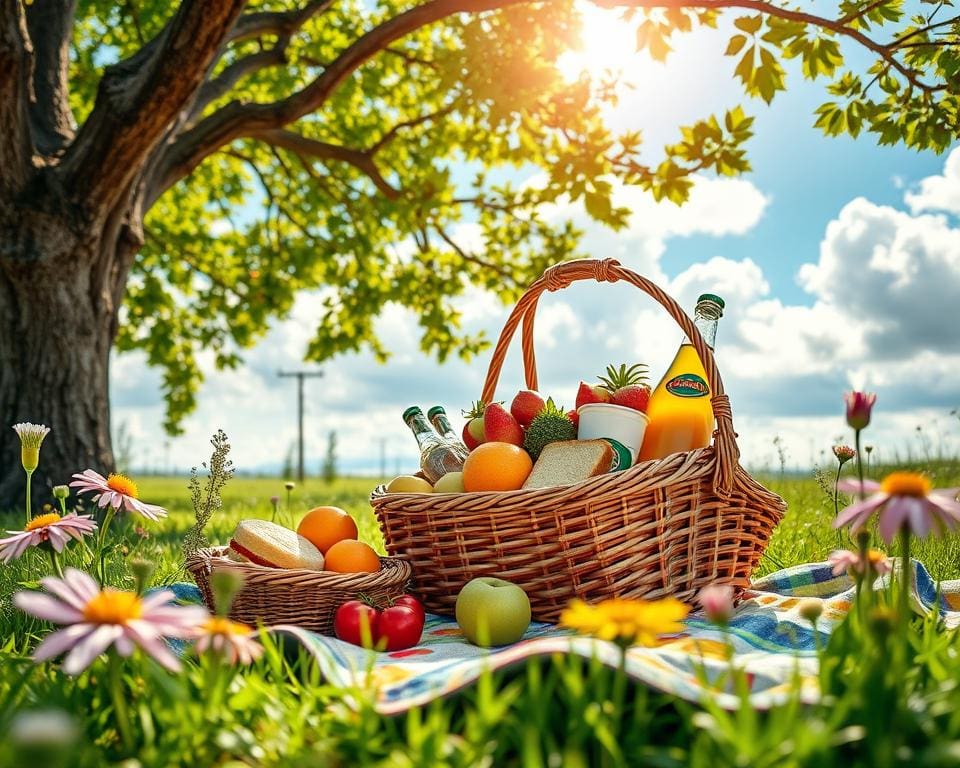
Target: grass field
(885,707)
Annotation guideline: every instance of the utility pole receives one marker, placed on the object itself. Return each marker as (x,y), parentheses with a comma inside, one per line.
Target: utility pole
(300,376)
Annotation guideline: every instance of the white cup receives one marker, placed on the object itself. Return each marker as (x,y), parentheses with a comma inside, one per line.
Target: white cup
(625,425)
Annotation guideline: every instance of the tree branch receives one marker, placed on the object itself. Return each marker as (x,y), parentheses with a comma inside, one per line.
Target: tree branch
(391,134)
(50,23)
(885,52)
(301,145)
(138,99)
(473,259)
(238,119)
(15,52)
(280,23)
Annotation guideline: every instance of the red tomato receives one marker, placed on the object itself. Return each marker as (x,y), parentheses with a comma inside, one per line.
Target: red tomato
(355,621)
(411,602)
(400,626)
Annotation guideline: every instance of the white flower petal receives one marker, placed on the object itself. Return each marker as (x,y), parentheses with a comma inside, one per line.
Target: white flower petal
(63,639)
(47,608)
(90,647)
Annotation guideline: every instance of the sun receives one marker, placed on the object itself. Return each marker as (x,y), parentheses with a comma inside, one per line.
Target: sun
(607,44)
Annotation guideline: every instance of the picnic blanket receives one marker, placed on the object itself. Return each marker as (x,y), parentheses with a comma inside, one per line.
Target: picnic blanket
(772,644)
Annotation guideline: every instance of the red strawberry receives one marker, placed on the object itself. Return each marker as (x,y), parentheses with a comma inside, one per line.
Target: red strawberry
(592,393)
(636,396)
(473,429)
(500,427)
(525,407)
(574,417)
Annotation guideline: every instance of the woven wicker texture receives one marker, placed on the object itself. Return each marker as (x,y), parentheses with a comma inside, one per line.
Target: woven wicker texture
(666,527)
(308,599)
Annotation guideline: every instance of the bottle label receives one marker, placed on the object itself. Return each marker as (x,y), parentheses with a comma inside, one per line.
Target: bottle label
(687,385)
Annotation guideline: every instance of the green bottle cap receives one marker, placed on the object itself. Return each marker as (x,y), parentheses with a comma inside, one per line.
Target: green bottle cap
(711,297)
(435,411)
(412,411)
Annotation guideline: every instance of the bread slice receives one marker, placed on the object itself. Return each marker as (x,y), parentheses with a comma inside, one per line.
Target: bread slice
(272,545)
(570,461)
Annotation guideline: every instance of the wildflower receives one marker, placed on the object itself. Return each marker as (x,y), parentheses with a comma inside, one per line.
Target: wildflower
(46,529)
(717,602)
(859,405)
(31,437)
(843,453)
(61,492)
(903,501)
(810,609)
(845,561)
(116,491)
(231,640)
(95,619)
(632,622)
(289,485)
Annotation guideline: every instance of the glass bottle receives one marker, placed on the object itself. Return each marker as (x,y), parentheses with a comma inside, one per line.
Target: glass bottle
(437,456)
(438,418)
(681,417)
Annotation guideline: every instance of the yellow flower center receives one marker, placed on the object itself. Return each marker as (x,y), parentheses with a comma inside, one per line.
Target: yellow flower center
(42,521)
(221,626)
(113,607)
(906,484)
(123,484)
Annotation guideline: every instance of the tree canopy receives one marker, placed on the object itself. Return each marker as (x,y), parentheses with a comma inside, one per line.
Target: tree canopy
(337,145)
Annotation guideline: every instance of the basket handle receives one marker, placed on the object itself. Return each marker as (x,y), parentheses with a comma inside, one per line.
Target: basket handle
(562,275)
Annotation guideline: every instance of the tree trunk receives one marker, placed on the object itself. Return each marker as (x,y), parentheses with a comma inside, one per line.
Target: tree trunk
(56,329)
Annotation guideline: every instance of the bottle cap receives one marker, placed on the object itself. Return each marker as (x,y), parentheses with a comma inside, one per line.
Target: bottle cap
(711,297)
(435,411)
(412,411)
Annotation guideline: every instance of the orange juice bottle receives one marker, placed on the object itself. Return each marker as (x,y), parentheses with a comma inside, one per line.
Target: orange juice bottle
(680,414)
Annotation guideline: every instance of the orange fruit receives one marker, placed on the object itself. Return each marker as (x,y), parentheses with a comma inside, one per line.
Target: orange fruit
(349,556)
(496,467)
(325,526)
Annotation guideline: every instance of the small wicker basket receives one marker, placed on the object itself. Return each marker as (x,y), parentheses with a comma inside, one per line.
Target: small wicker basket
(297,596)
(660,528)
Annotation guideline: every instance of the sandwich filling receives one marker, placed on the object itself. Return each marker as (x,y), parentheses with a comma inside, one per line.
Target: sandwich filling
(253,558)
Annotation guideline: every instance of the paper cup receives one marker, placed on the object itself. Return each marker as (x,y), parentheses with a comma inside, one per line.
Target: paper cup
(625,425)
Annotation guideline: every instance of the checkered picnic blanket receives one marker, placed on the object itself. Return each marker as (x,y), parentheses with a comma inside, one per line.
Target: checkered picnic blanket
(772,644)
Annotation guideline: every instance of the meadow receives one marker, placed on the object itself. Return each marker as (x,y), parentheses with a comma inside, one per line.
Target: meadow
(551,712)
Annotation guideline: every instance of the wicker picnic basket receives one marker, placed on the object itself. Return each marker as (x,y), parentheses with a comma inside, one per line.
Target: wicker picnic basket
(297,596)
(661,528)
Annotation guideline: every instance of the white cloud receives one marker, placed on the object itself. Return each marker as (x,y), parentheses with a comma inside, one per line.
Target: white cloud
(939,193)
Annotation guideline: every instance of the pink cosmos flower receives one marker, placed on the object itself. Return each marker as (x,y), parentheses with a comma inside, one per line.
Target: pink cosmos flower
(843,453)
(97,618)
(845,561)
(717,602)
(902,500)
(46,528)
(117,491)
(231,640)
(859,406)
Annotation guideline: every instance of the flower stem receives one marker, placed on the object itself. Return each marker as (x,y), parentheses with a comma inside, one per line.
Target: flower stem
(57,569)
(863,493)
(63,506)
(120,710)
(906,584)
(101,542)
(28,505)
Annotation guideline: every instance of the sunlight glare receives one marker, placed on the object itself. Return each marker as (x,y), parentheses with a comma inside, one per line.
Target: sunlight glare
(608,44)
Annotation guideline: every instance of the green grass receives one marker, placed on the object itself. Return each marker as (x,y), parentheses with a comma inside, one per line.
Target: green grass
(885,706)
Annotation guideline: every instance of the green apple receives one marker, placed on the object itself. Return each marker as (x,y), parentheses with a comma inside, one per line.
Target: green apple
(452,482)
(409,484)
(492,611)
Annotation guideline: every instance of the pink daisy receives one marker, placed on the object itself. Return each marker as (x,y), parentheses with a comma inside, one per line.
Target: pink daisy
(845,561)
(46,528)
(717,602)
(98,618)
(117,491)
(231,640)
(902,500)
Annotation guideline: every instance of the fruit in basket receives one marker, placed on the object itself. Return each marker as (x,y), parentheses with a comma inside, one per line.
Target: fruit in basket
(271,545)
(525,406)
(473,429)
(499,426)
(496,467)
(452,482)
(592,393)
(351,556)
(492,611)
(409,484)
(551,425)
(628,386)
(325,526)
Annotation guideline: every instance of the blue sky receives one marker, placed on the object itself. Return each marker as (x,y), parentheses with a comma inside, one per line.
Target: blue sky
(839,259)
